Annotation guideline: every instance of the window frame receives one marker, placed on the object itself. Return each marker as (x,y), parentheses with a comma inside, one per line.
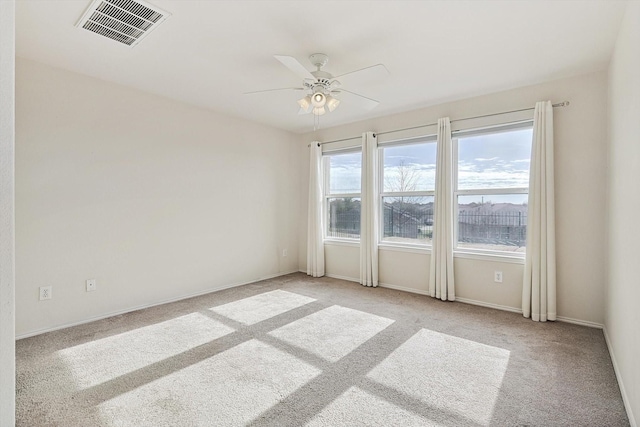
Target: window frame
(455,136)
(327,196)
(426,139)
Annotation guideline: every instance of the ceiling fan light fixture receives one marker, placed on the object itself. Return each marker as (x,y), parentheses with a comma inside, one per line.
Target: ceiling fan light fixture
(319,87)
(305,103)
(332,103)
(318,100)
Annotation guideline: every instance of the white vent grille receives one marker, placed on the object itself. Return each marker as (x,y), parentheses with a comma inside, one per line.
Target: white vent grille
(125,21)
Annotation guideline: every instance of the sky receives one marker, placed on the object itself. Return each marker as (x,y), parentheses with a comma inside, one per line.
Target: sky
(499,160)
(495,161)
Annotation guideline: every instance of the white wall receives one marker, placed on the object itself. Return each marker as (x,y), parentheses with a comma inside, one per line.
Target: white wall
(153,198)
(580,153)
(7,255)
(622,321)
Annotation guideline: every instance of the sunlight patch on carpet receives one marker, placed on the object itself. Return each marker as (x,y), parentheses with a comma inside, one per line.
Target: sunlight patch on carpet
(105,359)
(332,333)
(261,307)
(228,389)
(458,375)
(356,407)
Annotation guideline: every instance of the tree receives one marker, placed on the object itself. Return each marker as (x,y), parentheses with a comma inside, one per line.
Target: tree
(405,180)
(404,211)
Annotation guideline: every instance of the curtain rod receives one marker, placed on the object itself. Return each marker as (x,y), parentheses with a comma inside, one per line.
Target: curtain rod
(559,104)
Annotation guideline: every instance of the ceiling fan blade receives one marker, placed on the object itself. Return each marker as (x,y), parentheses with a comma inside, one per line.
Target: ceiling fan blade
(273,90)
(292,63)
(372,72)
(363,101)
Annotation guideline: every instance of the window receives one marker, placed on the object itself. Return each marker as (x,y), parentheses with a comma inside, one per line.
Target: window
(408,172)
(343,172)
(491,189)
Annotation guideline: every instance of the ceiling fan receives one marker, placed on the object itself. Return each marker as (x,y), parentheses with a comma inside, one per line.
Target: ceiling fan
(323,92)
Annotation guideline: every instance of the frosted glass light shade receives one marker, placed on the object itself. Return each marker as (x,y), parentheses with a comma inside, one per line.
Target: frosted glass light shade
(318,99)
(305,103)
(332,103)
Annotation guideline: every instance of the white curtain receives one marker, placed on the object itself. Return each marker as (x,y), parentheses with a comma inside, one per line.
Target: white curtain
(441,283)
(369,211)
(315,246)
(539,285)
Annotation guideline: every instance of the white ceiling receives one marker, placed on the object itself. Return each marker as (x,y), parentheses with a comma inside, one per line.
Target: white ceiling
(209,52)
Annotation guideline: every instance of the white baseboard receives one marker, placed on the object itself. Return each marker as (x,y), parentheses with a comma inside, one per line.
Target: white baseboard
(580,322)
(349,279)
(404,289)
(623,392)
(489,305)
(519,310)
(474,302)
(143,306)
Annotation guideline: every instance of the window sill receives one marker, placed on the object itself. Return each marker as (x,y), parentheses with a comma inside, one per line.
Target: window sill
(511,259)
(414,249)
(342,242)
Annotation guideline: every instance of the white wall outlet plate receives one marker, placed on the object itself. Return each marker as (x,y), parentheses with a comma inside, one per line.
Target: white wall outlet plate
(497,276)
(91,285)
(46,292)
(285,252)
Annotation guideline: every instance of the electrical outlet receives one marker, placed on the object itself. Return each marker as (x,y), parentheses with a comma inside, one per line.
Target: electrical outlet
(46,292)
(285,252)
(91,285)
(497,276)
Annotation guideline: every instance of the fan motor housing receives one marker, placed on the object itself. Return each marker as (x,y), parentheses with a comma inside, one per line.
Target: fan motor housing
(319,60)
(321,75)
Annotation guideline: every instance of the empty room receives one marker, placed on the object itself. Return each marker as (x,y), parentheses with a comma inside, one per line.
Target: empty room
(319,213)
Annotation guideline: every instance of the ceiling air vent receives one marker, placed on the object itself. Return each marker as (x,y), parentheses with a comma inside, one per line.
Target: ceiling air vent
(125,21)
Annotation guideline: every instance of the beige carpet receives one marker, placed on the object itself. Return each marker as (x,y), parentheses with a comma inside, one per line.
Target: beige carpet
(297,351)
